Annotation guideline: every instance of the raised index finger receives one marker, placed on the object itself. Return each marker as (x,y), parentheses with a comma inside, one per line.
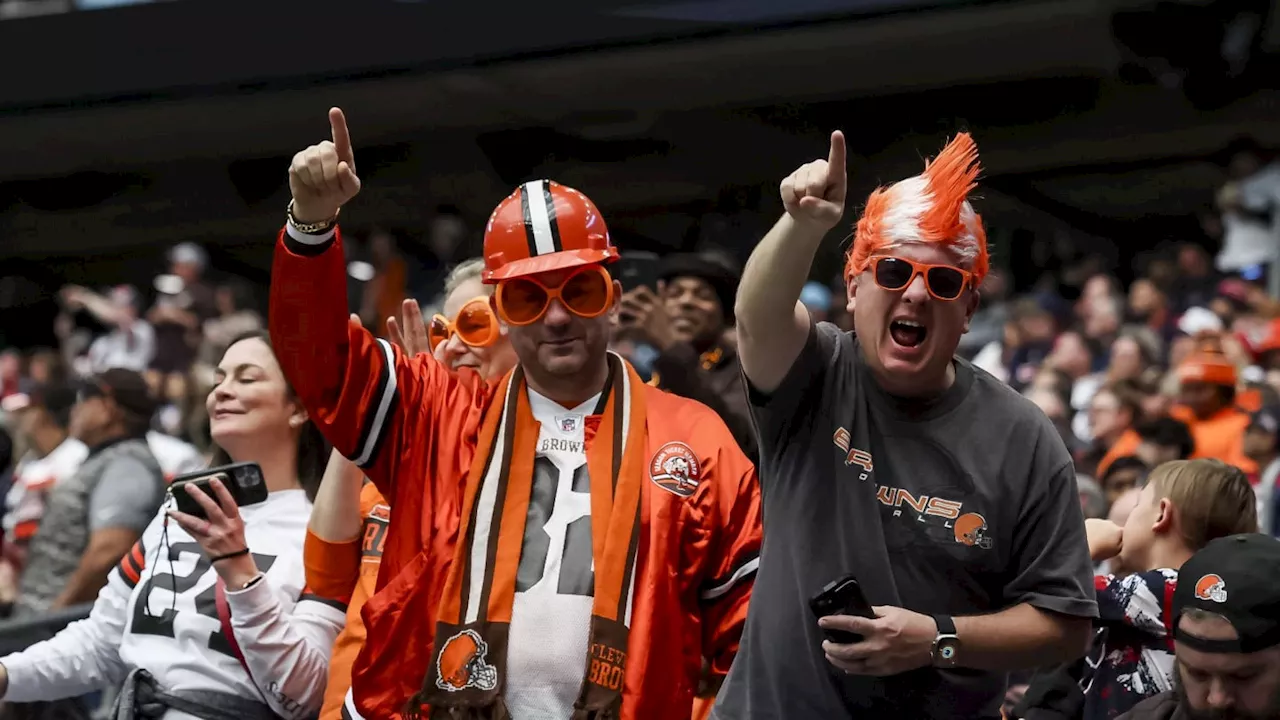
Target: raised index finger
(341,137)
(835,159)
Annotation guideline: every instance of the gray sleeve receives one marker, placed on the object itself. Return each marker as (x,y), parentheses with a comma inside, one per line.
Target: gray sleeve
(777,414)
(127,496)
(1050,566)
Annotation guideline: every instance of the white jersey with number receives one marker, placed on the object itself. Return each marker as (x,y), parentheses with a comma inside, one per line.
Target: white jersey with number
(551,615)
(158,612)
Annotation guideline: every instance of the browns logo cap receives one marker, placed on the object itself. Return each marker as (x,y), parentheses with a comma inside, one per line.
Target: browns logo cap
(1235,577)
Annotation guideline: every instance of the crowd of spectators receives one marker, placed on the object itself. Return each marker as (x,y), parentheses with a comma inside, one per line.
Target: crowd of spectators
(1181,362)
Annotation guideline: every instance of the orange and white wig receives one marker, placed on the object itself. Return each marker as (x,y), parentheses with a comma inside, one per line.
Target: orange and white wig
(931,207)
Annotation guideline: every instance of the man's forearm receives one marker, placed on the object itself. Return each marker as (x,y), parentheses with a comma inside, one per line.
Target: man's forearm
(103,310)
(775,274)
(336,514)
(106,547)
(85,583)
(1021,636)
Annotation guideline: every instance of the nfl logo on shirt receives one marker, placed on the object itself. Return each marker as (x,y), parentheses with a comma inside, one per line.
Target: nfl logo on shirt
(569,423)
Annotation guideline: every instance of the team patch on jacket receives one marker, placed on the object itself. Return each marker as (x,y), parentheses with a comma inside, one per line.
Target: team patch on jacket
(463,664)
(674,468)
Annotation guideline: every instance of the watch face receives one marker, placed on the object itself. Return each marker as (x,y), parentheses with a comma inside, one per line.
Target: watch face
(948,649)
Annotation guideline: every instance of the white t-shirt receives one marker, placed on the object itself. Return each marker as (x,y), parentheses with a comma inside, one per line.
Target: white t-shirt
(33,478)
(551,614)
(164,620)
(132,349)
(174,456)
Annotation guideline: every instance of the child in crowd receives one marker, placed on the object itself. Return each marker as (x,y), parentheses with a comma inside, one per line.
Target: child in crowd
(1185,504)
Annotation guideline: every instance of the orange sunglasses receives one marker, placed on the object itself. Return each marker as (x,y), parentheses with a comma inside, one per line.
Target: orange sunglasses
(474,324)
(586,292)
(944,282)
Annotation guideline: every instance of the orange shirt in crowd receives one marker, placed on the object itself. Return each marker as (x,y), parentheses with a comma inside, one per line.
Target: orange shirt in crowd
(391,292)
(1125,445)
(348,572)
(1220,436)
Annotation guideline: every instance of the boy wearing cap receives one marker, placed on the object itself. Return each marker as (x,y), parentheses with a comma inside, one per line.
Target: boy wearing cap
(1226,629)
(1186,504)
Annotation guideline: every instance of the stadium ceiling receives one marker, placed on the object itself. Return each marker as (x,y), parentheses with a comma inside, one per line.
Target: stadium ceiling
(644,125)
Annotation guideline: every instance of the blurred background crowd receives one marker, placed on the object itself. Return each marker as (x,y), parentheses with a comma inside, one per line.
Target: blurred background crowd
(1132,192)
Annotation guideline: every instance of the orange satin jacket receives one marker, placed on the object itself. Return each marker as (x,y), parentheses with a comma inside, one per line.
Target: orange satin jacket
(411,425)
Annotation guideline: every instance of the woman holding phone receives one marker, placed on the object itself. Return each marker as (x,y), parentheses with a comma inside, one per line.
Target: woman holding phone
(207,617)
(344,541)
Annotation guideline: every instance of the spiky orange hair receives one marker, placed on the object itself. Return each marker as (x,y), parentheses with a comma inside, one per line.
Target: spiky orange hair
(931,207)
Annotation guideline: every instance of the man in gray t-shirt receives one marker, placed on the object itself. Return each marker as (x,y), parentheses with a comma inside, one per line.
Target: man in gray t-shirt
(951,498)
(92,518)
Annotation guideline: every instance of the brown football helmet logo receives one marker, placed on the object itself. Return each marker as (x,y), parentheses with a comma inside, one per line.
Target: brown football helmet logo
(1212,588)
(462,664)
(971,530)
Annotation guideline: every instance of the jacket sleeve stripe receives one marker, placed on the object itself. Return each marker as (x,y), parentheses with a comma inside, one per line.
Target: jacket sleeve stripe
(307,245)
(744,572)
(349,711)
(375,423)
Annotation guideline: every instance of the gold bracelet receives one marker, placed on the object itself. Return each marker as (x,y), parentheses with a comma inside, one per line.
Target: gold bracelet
(315,228)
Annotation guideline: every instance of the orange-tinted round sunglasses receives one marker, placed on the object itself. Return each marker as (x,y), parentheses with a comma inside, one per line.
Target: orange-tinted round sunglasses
(474,324)
(944,282)
(586,292)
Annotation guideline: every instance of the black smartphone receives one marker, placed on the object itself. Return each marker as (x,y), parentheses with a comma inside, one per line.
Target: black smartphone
(243,480)
(636,268)
(841,597)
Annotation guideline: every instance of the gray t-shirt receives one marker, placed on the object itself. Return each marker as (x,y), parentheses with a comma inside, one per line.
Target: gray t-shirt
(120,485)
(961,505)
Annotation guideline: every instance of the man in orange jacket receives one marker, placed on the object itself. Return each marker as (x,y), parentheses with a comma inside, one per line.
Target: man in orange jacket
(348,525)
(565,543)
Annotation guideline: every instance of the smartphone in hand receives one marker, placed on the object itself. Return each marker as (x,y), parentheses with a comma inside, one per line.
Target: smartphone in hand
(243,480)
(841,597)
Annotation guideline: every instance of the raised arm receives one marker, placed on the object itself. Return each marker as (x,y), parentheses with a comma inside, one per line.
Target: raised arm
(368,399)
(336,515)
(332,551)
(772,323)
(101,308)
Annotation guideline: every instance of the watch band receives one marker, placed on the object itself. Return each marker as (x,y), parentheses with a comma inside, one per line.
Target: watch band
(946,626)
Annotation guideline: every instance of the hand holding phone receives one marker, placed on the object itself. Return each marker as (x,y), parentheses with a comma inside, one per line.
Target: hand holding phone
(841,597)
(243,480)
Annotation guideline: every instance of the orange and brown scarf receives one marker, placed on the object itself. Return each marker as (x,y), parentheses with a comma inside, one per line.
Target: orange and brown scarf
(467,672)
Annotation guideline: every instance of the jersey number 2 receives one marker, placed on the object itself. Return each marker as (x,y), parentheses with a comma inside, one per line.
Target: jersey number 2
(145,623)
(576,577)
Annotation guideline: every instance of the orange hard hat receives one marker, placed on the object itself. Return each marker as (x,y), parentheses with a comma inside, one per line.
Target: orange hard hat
(544,226)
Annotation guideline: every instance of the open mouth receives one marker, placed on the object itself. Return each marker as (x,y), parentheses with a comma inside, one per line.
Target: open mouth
(908,333)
